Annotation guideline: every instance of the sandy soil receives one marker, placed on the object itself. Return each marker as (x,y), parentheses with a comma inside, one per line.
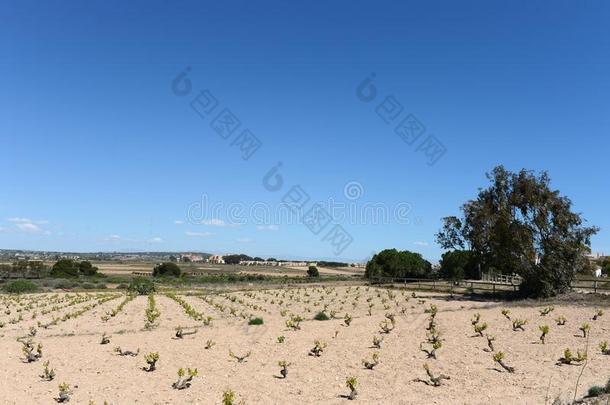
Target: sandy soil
(111,268)
(96,374)
(341,271)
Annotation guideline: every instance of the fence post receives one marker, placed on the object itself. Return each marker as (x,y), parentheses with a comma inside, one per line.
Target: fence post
(494,287)
(595,286)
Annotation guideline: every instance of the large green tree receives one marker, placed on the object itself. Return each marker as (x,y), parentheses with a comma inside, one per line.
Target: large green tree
(87,269)
(397,264)
(235,259)
(71,268)
(519,224)
(458,264)
(65,268)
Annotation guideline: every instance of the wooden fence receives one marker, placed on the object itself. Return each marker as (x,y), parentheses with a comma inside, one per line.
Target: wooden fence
(599,285)
(502,278)
(483,287)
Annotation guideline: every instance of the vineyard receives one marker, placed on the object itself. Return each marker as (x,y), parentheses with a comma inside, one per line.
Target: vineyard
(327,344)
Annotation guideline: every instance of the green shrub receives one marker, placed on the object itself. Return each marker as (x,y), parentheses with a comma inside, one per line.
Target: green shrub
(321,316)
(20,286)
(65,268)
(313,271)
(141,285)
(167,269)
(88,286)
(255,321)
(101,286)
(596,391)
(122,286)
(68,268)
(87,269)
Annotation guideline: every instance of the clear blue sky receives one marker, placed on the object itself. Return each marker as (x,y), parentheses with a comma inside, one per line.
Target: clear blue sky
(98,154)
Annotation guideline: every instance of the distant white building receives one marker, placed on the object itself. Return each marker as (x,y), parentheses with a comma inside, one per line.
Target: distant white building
(216,259)
(191,257)
(257,263)
(595,256)
(597,272)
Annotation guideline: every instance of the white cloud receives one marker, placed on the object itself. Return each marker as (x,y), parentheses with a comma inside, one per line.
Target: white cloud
(17,219)
(268,227)
(199,234)
(26,225)
(27,221)
(118,238)
(422,244)
(178,222)
(29,227)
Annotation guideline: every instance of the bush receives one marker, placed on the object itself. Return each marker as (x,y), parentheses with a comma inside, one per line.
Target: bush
(141,285)
(101,286)
(313,271)
(122,286)
(167,269)
(65,284)
(88,286)
(85,268)
(20,286)
(255,321)
(596,391)
(65,268)
(321,316)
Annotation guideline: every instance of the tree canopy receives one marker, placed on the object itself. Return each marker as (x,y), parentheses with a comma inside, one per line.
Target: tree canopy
(166,269)
(235,259)
(605,265)
(332,264)
(519,224)
(67,268)
(312,271)
(397,264)
(87,269)
(458,264)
